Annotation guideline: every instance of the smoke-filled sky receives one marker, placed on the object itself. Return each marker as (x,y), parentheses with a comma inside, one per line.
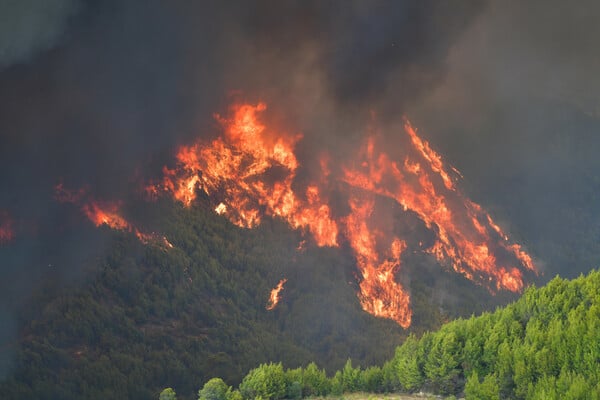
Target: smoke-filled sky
(99,94)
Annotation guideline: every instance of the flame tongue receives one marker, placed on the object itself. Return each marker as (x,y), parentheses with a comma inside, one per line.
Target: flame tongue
(252,170)
(467,237)
(105,213)
(275,295)
(380,294)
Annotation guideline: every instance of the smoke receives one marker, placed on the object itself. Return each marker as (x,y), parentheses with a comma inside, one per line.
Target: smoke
(517,113)
(30,27)
(363,52)
(128,84)
(99,94)
(519,53)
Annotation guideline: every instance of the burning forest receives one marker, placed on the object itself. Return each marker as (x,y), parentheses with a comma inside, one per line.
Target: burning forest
(105,213)
(250,171)
(238,182)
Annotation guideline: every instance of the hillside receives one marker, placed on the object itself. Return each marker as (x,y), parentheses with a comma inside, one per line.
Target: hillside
(202,189)
(147,316)
(545,346)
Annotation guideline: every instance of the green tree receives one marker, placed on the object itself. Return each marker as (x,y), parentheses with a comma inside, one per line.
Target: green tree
(337,384)
(350,378)
(266,381)
(390,377)
(372,380)
(234,395)
(293,383)
(486,390)
(443,361)
(407,364)
(504,369)
(294,391)
(314,381)
(167,394)
(214,389)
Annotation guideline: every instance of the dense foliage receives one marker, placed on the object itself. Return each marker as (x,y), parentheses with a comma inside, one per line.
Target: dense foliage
(544,346)
(145,317)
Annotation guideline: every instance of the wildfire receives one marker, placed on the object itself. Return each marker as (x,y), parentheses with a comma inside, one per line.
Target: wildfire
(221,208)
(275,295)
(6,228)
(380,294)
(105,213)
(251,170)
(238,166)
(467,237)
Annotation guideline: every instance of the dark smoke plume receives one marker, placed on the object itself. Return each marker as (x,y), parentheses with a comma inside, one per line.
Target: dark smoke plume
(99,94)
(127,84)
(518,113)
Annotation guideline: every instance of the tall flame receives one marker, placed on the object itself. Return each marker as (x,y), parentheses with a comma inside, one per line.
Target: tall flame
(380,294)
(467,237)
(251,171)
(275,295)
(240,167)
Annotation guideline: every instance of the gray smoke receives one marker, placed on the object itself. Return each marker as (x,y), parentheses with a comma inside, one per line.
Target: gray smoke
(518,113)
(99,94)
(29,27)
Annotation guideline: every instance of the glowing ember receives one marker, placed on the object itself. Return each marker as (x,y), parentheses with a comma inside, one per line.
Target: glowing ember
(105,213)
(252,172)
(6,228)
(275,295)
(166,242)
(221,209)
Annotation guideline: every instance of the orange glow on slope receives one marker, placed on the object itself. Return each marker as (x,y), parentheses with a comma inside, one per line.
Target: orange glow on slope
(105,213)
(380,294)
(6,228)
(467,237)
(251,170)
(238,166)
(275,295)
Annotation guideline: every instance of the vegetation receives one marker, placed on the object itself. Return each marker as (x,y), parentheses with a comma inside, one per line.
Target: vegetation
(544,346)
(146,317)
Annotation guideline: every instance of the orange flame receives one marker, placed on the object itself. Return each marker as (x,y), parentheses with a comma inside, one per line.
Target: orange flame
(380,294)
(465,233)
(105,213)
(252,171)
(238,167)
(275,295)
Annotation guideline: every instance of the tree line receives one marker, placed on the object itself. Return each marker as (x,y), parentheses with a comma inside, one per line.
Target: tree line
(546,345)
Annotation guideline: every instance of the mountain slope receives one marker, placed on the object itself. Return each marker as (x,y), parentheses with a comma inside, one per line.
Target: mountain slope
(149,316)
(544,346)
